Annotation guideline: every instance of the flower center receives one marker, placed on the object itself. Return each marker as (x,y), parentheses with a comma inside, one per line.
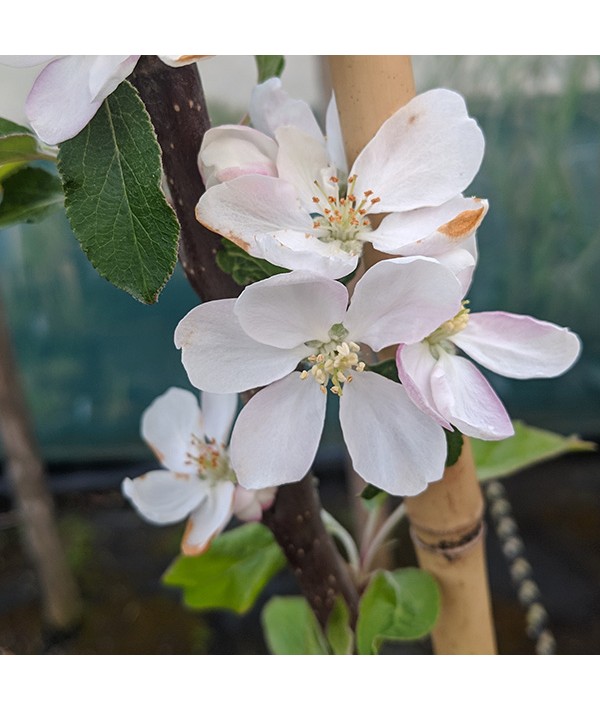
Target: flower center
(439,338)
(211,460)
(333,360)
(340,216)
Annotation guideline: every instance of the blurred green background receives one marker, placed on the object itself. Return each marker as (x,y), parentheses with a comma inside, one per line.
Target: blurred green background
(92,358)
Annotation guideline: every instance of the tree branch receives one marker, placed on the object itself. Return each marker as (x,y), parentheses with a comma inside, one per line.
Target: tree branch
(175,101)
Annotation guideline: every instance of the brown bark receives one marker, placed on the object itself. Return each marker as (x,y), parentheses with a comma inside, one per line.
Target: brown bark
(25,470)
(175,101)
(447,518)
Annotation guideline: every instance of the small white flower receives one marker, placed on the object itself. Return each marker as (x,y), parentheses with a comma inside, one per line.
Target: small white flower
(451,389)
(283,193)
(70,89)
(300,317)
(198,480)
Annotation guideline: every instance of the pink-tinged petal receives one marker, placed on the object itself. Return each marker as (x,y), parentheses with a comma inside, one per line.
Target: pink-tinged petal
(305,251)
(415,367)
(165,497)
(228,152)
(168,427)
(287,310)
(25,60)
(425,154)
(402,301)
(271,107)
(392,444)
(301,161)
(249,505)
(61,102)
(219,411)
(209,518)
(276,436)
(250,207)
(430,231)
(220,357)
(106,72)
(518,346)
(335,140)
(181,60)
(466,399)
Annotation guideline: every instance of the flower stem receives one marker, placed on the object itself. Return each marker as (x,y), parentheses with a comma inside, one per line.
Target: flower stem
(336,529)
(381,536)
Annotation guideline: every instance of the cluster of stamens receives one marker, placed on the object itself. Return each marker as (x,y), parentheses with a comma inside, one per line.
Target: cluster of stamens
(342,218)
(439,338)
(210,459)
(334,362)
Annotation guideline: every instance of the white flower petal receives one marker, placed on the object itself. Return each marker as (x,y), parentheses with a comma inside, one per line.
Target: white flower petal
(249,505)
(402,301)
(415,367)
(430,231)
(69,91)
(287,310)
(253,206)
(219,412)
(303,250)
(271,107)
(209,518)
(466,399)
(518,346)
(300,161)
(227,152)
(276,435)
(60,104)
(220,357)
(393,445)
(106,72)
(425,154)
(168,426)
(164,497)
(461,262)
(335,140)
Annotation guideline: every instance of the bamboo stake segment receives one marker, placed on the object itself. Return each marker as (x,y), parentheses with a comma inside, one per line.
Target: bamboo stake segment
(446,519)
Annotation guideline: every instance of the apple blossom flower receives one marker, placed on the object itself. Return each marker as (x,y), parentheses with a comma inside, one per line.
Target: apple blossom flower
(71,88)
(198,480)
(301,317)
(449,388)
(282,191)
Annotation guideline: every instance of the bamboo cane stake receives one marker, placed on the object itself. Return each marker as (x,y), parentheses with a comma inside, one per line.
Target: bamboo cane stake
(446,519)
(25,470)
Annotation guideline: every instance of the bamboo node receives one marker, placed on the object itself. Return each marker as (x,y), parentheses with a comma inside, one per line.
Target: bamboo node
(451,549)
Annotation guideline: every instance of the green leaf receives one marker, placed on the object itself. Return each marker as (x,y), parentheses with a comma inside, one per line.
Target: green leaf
(290,627)
(29,196)
(370,492)
(243,267)
(399,605)
(339,633)
(20,149)
(231,573)
(528,446)
(454,440)
(8,128)
(111,173)
(387,368)
(269,65)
